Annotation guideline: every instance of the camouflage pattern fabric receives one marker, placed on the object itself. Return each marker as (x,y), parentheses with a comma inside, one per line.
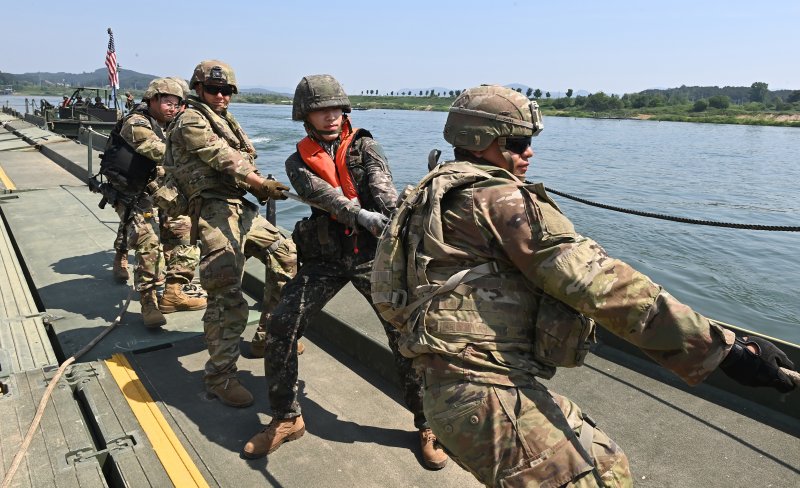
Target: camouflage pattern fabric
(222,230)
(180,257)
(319,279)
(521,436)
(520,228)
(210,155)
(303,297)
(137,130)
(280,263)
(372,178)
(142,238)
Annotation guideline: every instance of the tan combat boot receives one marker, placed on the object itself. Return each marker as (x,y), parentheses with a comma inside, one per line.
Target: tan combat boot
(273,435)
(175,300)
(120,269)
(151,316)
(259,341)
(231,393)
(432,455)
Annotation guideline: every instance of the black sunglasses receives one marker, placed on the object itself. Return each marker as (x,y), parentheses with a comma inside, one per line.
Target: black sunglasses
(518,145)
(226,90)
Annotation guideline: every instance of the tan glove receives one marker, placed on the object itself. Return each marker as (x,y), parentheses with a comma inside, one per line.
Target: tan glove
(269,189)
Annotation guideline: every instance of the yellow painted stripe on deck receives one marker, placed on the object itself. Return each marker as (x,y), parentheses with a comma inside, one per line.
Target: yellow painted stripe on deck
(179,466)
(6,180)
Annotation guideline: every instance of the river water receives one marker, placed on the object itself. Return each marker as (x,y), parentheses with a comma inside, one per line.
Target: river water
(742,174)
(728,173)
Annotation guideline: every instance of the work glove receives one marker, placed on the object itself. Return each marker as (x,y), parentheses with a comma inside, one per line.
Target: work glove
(269,189)
(758,369)
(374,222)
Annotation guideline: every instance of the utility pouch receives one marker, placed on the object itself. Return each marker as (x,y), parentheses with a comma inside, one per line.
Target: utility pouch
(562,335)
(169,199)
(317,237)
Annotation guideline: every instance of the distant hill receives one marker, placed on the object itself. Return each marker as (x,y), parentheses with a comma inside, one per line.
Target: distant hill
(128,79)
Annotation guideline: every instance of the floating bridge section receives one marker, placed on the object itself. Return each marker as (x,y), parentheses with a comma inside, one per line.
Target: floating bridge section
(132,412)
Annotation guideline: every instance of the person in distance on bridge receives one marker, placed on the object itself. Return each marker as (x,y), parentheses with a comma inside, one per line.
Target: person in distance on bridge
(344,173)
(505,291)
(212,162)
(141,137)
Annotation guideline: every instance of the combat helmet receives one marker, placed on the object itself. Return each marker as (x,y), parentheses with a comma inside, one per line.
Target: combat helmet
(214,72)
(182,83)
(163,86)
(487,112)
(316,92)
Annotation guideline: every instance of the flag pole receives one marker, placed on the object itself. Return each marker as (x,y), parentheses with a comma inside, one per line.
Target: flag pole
(113,67)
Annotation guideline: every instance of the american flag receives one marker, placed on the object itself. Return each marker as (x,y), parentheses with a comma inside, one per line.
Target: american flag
(111,61)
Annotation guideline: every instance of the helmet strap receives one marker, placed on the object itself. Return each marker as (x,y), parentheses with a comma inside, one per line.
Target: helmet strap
(317,134)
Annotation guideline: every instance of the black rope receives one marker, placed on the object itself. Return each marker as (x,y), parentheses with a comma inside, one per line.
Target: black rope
(781,228)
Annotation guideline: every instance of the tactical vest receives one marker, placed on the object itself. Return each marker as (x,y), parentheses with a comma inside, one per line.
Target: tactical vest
(421,285)
(193,176)
(321,236)
(126,170)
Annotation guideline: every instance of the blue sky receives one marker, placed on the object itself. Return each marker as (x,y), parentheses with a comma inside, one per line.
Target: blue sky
(612,46)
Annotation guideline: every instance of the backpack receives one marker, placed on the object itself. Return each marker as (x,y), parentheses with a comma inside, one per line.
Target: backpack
(393,262)
(563,336)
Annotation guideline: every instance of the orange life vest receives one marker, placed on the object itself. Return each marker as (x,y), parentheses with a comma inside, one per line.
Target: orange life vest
(334,172)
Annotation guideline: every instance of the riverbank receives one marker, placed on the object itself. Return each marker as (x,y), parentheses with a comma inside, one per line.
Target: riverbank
(748,114)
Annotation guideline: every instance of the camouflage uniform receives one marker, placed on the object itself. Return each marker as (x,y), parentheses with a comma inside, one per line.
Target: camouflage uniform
(477,344)
(145,136)
(210,159)
(332,256)
(279,255)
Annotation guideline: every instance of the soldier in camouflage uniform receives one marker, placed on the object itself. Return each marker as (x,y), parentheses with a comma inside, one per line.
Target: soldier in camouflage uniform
(142,131)
(344,173)
(504,291)
(212,164)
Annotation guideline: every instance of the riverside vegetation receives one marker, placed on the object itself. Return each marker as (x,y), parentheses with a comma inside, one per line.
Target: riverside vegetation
(754,105)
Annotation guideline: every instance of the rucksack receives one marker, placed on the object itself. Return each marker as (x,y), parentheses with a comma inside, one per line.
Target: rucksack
(393,262)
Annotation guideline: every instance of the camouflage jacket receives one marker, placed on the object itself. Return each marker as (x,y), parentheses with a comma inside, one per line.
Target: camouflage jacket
(521,229)
(372,178)
(209,153)
(144,135)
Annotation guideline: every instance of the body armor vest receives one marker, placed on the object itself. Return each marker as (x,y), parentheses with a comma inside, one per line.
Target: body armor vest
(126,170)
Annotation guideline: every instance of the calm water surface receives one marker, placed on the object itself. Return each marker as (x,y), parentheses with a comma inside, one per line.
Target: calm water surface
(743,174)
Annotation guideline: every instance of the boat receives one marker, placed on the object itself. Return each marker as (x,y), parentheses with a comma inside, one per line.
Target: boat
(132,411)
(69,118)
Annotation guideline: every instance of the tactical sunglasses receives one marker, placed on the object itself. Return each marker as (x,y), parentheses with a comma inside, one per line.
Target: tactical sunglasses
(226,90)
(517,145)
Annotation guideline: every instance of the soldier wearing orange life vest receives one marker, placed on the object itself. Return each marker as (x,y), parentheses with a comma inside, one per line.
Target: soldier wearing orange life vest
(344,173)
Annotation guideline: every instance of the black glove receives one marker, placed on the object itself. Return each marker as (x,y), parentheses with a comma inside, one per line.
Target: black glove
(758,369)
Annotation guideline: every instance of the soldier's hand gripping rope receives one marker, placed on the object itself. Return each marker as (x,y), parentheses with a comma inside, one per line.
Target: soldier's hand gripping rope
(768,366)
(267,189)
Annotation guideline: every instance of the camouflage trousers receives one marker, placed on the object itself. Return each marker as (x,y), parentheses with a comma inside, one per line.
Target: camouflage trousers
(303,297)
(279,255)
(170,256)
(222,227)
(521,436)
